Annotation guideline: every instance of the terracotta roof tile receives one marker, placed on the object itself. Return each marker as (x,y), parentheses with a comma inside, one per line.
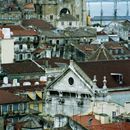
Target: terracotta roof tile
(7,97)
(31,67)
(39,24)
(21,67)
(24,32)
(84,120)
(106,68)
(18,30)
(29,6)
(96,125)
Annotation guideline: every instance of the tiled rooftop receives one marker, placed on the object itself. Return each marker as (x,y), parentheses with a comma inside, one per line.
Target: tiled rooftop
(7,97)
(106,68)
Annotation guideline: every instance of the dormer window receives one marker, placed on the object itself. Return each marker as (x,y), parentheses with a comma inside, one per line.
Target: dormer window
(90,121)
(118,77)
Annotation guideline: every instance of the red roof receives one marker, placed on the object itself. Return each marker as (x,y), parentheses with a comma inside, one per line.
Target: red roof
(29,6)
(106,68)
(96,125)
(18,30)
(84,120)
(24,32)
(21,67)
(31,67)
(7,97)
(39,24)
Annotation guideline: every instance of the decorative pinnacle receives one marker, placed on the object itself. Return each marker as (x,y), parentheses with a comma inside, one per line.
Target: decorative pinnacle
(94,79)
(104,82)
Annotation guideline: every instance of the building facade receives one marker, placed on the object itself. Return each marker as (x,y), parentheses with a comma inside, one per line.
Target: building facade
(52,10)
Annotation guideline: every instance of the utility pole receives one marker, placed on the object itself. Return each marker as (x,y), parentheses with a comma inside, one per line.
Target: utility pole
(127,13)
(88,9)
(115,10)
(101,13)
(84,15)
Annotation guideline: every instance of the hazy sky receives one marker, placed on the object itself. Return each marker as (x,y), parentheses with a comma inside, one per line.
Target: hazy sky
(108,8)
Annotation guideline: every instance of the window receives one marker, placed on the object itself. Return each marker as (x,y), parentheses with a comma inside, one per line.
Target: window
(70,23)
(20,39)
(90,121)
(10,107)
(20,57)
(50,41)
(77,16)
(28,55)
(113,114)
(21,106)
(57,41)
(62,23)
(20,46)
(66,41)
(28,46)
(36,106)
(28,38)
(51,17)
(71,81)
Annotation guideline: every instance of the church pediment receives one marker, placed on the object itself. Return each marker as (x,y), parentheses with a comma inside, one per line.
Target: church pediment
(72,82)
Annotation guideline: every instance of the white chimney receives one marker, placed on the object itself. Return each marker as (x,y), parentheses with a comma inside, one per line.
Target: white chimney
(5,80)
(15,82)
(6,32)
(43,78)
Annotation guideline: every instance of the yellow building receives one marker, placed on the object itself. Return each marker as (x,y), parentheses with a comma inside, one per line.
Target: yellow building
(36,102)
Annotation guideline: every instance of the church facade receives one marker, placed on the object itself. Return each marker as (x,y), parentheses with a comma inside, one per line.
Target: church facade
(52,10)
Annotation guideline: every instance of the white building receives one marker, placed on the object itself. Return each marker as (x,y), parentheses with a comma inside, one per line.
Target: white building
(71,93)
(66,21)
(6,47)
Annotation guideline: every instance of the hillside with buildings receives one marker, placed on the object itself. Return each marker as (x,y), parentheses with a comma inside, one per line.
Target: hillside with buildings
(60,71)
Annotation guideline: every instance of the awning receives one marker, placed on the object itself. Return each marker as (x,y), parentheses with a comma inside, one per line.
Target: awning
(39,94)
(32,95)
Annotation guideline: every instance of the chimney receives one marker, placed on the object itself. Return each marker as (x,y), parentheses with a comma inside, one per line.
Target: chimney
(6,32)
